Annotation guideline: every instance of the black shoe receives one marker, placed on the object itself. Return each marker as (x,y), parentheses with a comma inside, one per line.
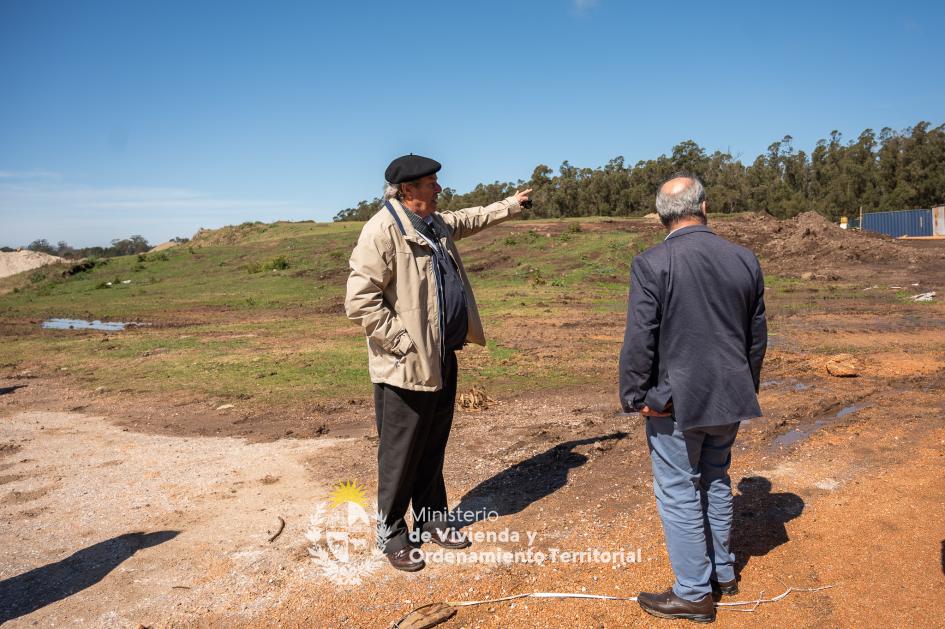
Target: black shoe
(402,560)
(450,538)
(728,588)
(668,605)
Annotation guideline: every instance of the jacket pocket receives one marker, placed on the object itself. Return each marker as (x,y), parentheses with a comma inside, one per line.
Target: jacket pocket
(402,346)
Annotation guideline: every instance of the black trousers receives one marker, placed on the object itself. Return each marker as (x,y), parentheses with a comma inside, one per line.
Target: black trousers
(413,427)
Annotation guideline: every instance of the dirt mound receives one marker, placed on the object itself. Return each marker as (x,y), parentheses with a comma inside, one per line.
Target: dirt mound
(18,261)
(162,246)
(229,235)
(810,243)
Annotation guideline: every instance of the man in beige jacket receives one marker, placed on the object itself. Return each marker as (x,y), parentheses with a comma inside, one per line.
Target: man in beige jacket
(410,293)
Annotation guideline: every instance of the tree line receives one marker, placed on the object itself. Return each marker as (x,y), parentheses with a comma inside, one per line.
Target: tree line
(895,170)
(119,247)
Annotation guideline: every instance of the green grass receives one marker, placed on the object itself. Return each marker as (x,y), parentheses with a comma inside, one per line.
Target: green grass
(256,311)
(564,261)
(193,297)
(782,284)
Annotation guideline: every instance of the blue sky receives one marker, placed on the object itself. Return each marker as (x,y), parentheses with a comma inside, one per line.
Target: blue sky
(156,118)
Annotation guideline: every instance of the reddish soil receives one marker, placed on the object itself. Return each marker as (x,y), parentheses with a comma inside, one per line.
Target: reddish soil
(839,484)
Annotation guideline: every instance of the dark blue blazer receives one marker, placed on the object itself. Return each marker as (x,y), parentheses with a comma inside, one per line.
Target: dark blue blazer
(696,332)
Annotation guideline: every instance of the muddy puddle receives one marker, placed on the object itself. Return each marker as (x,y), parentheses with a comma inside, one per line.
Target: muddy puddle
(804,431)
(792,384)
(82,324)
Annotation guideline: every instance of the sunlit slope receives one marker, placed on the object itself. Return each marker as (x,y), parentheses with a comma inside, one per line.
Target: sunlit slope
(257,310)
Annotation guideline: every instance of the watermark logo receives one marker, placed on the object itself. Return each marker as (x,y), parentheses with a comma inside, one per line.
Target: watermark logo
(344,536)
(347,537)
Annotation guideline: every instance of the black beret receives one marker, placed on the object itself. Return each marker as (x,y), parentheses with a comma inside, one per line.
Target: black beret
(410,168)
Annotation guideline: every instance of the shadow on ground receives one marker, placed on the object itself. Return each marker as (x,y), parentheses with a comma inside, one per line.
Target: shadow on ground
(27,592)
(7,390)
(760,517)
(528,481)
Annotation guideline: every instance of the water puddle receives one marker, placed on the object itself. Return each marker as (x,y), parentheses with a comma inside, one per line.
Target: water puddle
(791,437)
(846,410)
(802,432)
(82,324)
(788,383)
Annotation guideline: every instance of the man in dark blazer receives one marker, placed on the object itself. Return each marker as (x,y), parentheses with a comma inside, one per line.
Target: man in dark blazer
(690,364)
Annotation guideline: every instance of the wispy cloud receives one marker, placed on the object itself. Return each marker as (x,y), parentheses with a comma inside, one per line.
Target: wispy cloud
(36,207)
(584,5)
(30,196)
(86,198)
(28,174)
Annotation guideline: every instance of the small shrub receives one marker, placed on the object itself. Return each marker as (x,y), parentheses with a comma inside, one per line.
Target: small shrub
(276,264)
(85,265)
(102,285)
(37,276)
(574,228)
(510,241)
(535,276)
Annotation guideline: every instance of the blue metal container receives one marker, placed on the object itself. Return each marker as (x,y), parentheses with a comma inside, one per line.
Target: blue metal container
(896,224)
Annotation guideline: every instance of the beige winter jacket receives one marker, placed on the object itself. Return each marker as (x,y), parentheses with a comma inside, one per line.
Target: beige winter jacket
(392,291)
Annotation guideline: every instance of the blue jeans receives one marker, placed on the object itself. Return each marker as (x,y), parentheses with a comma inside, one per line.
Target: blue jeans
(694,498)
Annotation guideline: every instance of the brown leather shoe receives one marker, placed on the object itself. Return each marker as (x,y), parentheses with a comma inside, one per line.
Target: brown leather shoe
(402,560)
(668,605)
(450,538)
(728,588)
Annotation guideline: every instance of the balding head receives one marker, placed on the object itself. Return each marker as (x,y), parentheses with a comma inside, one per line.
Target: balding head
(676,185)
(680,198)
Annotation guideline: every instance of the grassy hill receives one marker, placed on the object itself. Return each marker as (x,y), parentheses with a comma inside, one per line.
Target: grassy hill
(256,311)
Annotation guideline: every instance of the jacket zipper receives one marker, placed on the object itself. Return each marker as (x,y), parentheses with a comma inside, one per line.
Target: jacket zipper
(440,306)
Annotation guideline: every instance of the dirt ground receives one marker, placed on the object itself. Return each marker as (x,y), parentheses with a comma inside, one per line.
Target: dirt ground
(122,511)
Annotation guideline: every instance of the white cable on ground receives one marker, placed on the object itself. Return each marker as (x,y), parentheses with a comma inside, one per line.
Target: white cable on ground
(605,597)
(443,614)
(759,601)
(541,595)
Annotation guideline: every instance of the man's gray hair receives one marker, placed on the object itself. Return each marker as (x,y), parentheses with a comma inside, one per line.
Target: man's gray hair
(391,191)
(684,203)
